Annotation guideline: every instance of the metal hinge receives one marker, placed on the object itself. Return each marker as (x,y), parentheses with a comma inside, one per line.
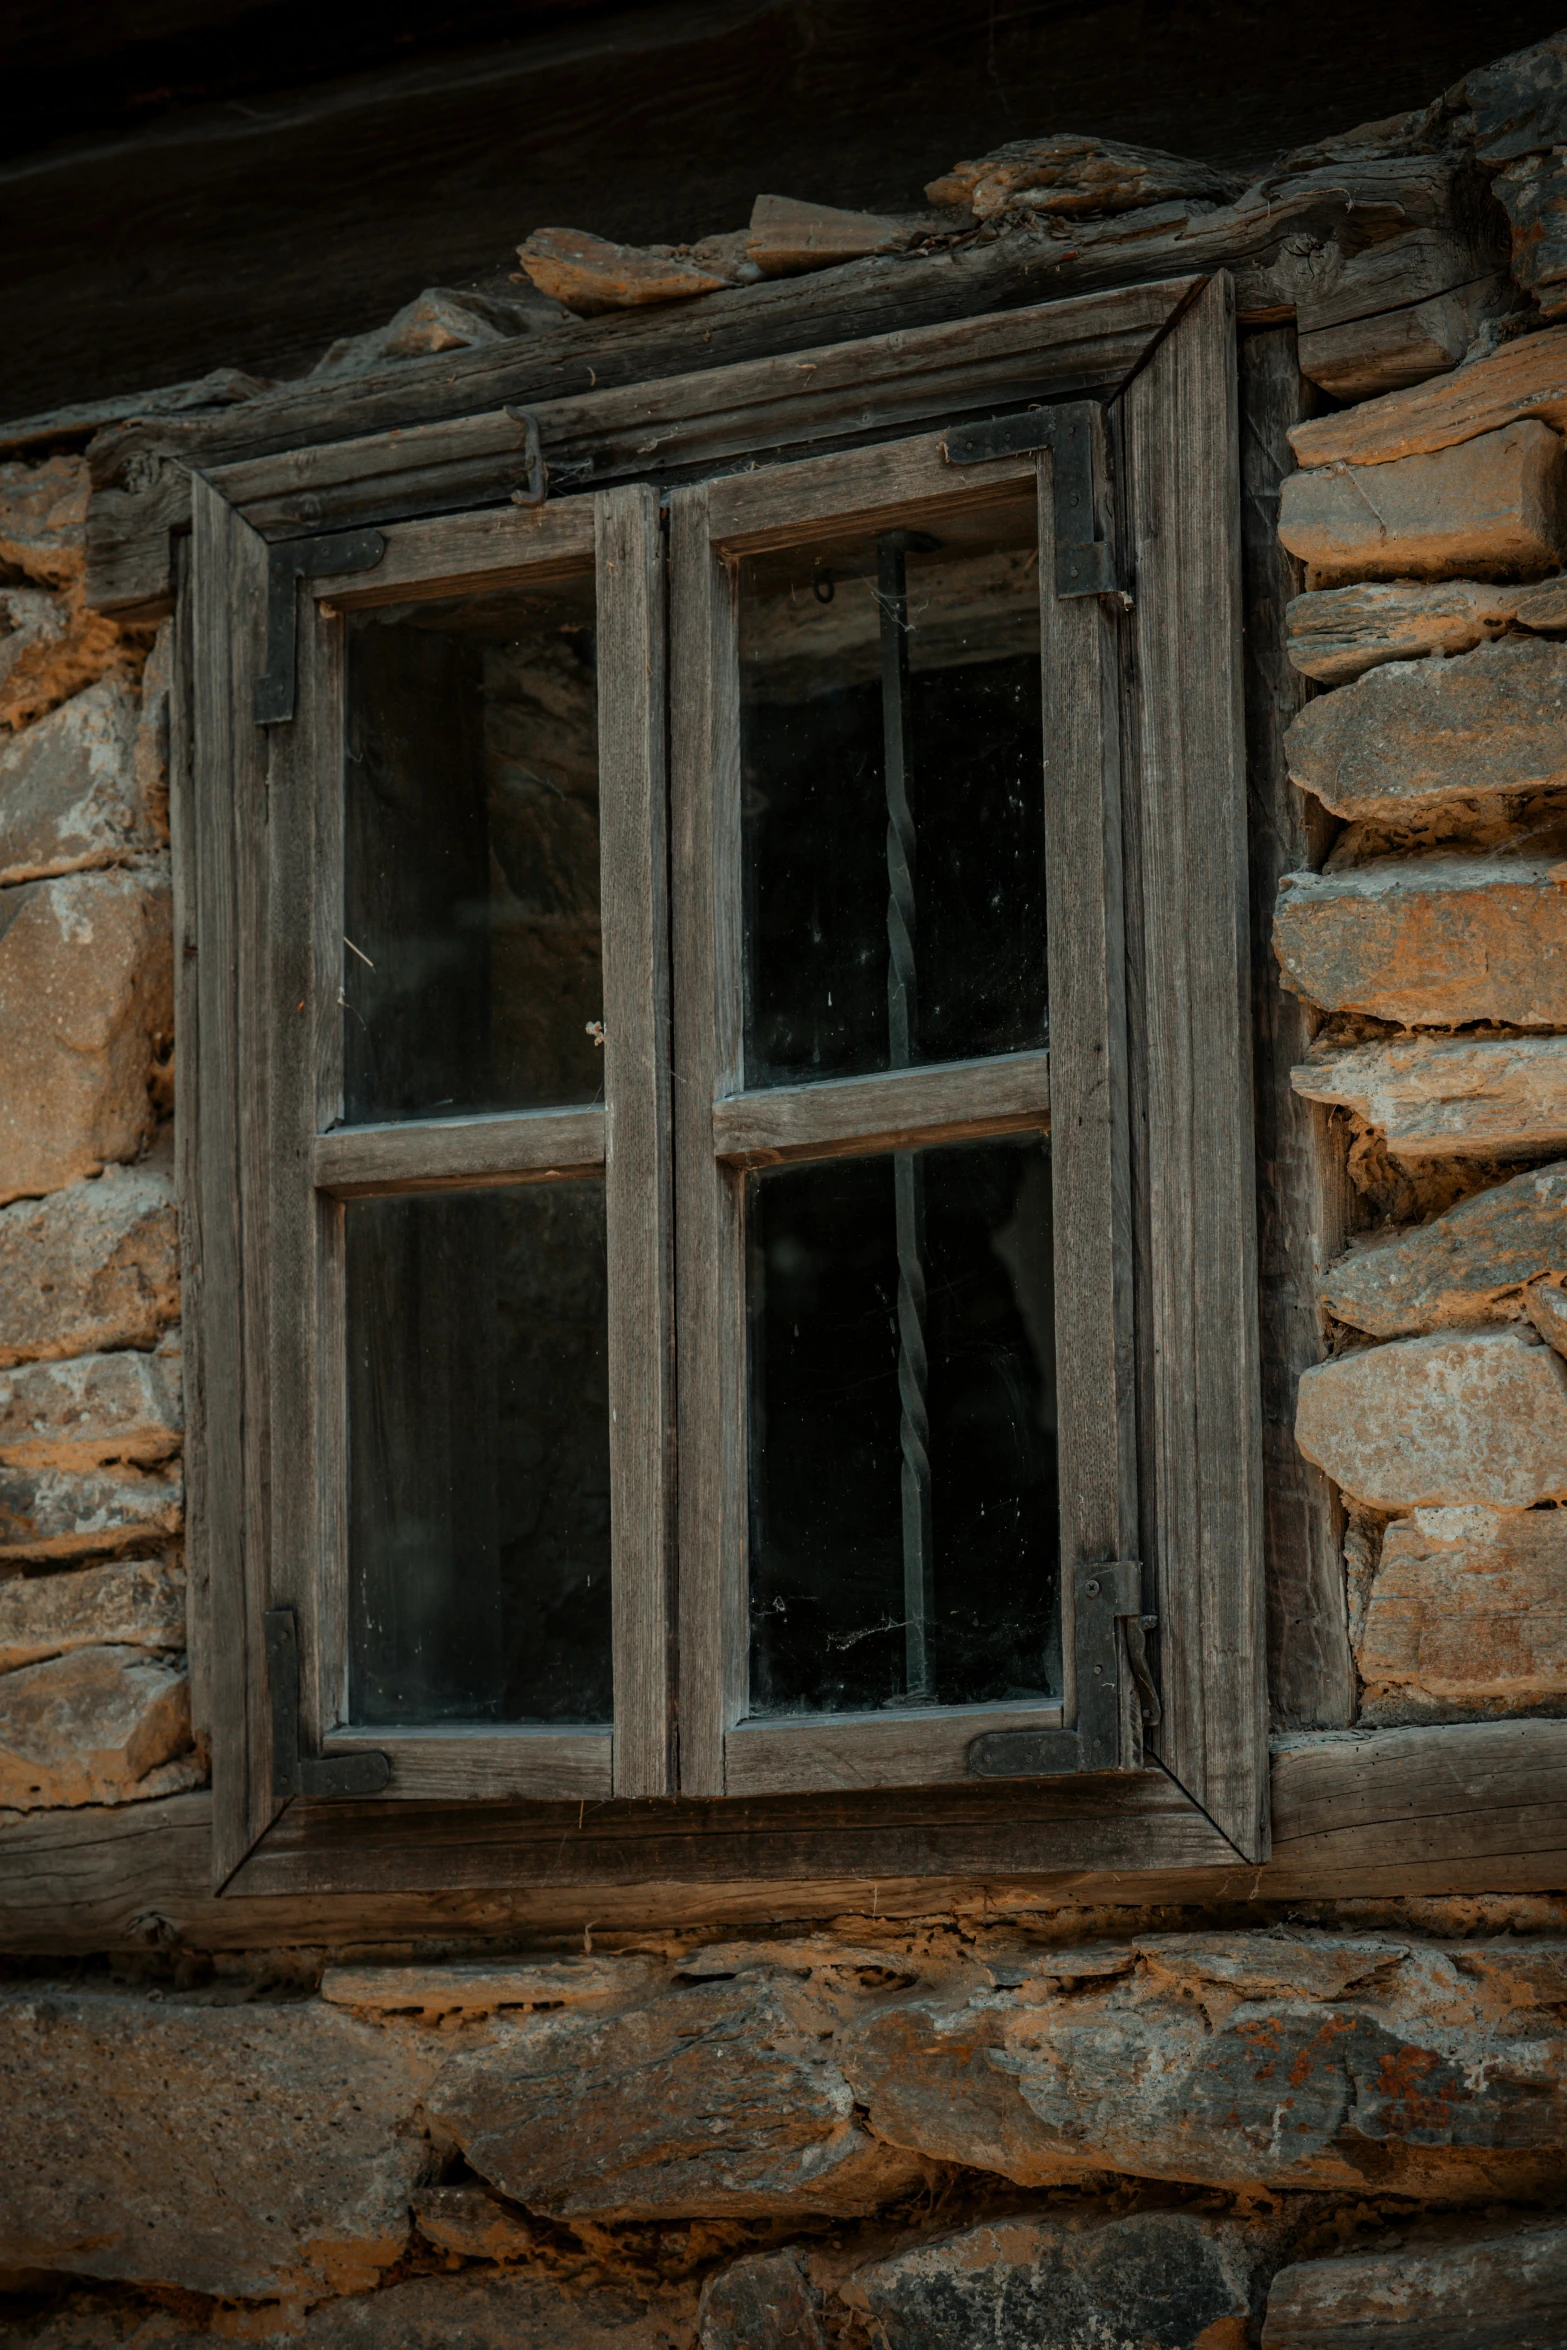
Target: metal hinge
(294,1773)
(1108,1623)
(1074,434)
(290,561)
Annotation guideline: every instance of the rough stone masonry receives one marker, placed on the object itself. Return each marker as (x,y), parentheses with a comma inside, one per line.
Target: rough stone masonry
(1047,2129)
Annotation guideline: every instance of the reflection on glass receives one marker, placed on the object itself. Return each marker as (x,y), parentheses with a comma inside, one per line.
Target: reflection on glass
(478,1416)
(846,1612)
(894,821)
(470,960)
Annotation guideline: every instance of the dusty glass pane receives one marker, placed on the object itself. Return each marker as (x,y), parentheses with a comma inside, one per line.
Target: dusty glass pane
(478,1422)
(470,956)
(848,650)
(847,1611)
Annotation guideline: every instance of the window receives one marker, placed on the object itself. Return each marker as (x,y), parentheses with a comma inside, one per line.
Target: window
(721,1101)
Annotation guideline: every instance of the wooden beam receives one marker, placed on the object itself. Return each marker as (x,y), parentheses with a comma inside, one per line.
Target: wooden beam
(1457,1810)
(1300,1213)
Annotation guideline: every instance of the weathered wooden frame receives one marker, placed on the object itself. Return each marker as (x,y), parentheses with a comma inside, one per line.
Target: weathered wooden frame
(724,1131)
(1148,350)
(1188,1088)
(274,1165)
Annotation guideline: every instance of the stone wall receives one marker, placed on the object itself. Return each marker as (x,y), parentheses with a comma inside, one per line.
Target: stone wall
(1433,944)
(94,1706)
(1337,2125)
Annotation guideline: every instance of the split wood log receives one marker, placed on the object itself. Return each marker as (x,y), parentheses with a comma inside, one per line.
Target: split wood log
(141,469)
(1466,1266)
(1524,378)
(1498,504)
(1449,1096)
(1415,738)
(1430,941)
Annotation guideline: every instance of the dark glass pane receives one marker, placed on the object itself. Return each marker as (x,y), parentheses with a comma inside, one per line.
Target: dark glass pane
(470,969)
(817,703)
(830,1598)
(478,1419)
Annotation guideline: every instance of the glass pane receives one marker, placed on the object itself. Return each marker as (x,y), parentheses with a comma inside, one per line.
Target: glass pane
(873,1583)
(895,898)
(478,1418)
(470,972)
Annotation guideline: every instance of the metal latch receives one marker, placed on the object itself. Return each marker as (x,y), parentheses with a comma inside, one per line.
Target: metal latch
(294,1773)
(1108,1617)
(1074,434)
(290,561)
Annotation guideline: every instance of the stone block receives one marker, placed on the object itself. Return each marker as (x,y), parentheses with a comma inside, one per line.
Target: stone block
(31,621)
(760,2302)
(787,237)
(1468,1604)
(94,1408)
(1503,2289)
(1337,634)
(1519,102)
(43,519)
(1525,379)
(1533,194)
(1445,1097)
(95,1265)
(1359,358)
(510,2312)
(470,2224)
(1466,1266)
(150,758)
(481,1987)
(1155,2277)
(93,1726)
(592,274)
(248,2151)
(1431,940)
(1213,2058)
(1066,175)
(85,990)
(1416,737)
(719,2099)
(70,796)
(1546,1306)
(1497,503)
(137,1603)
(1471,1416)
(81,1513)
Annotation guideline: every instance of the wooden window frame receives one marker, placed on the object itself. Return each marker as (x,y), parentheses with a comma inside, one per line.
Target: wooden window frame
(1155,713)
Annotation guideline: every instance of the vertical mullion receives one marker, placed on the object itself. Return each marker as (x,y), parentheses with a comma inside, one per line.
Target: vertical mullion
(1088,1107)
(229,591)
(291,1020)
(705,814)
(638,1158)
(1188,815)
(322,1107)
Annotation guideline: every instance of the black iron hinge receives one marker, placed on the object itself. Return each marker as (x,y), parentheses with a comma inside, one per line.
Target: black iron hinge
(288,562)
(1074,434)
(1108,1626)
(295,1773)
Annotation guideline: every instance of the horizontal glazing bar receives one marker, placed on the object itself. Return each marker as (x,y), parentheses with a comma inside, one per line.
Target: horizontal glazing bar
(1009,1093)
(358,1162)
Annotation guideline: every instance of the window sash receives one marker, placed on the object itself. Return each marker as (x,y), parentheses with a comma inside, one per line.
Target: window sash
(723,1129)
(300,1164)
